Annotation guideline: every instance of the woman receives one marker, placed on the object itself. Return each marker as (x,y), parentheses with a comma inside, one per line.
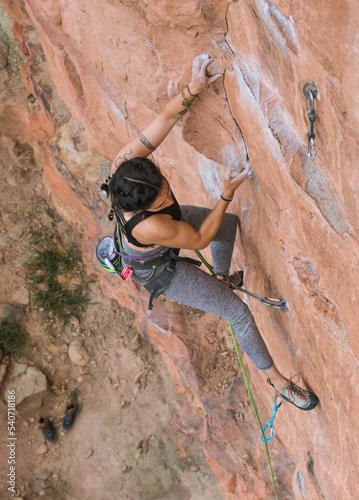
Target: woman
(150,222)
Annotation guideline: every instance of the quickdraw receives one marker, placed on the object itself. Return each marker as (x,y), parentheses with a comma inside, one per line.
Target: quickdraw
(310,91)
(270,423)
(281,304)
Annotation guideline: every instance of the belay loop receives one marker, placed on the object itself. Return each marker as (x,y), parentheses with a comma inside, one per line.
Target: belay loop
(310,91)
(270,423)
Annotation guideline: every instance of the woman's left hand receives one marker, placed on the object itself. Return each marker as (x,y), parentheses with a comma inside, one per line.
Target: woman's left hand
(200,79)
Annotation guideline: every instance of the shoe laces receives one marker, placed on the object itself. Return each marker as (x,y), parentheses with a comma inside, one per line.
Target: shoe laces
(294,390)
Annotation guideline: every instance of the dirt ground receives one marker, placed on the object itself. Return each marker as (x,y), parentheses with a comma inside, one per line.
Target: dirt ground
(122,445)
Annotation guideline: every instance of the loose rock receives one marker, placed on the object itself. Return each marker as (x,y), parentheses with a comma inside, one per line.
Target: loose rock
(51,345)
(30,388)
(42,449)
(85,378)
(16,232)
(2,372)
(5,241)
(22,296)
(78,354)
(8,311)
(18,370)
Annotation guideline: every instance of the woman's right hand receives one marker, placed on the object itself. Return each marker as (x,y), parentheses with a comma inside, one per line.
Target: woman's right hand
(200,77)
(231,183)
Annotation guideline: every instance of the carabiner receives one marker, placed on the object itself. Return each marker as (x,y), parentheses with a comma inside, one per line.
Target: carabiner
(272,433)
(270,423)
(311,148)
(310,94)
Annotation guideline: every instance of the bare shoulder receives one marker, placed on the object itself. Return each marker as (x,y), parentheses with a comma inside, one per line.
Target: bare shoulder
(154,229)
(163,230)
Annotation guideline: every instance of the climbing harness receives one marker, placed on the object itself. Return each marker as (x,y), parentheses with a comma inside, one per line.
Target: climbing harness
(281,304)
(112,257)
(270,423)
(310,91)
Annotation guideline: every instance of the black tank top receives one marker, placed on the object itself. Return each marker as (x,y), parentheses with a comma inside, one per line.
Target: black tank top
(173,210)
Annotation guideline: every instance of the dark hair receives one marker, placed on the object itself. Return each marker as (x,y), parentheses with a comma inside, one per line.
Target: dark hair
(134,186)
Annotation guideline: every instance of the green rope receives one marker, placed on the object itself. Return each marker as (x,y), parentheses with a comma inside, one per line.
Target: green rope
(200,256)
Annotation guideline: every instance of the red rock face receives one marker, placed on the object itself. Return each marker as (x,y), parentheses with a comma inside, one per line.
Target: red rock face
(115,65)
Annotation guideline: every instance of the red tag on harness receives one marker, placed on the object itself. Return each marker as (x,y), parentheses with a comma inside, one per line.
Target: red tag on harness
(126,273)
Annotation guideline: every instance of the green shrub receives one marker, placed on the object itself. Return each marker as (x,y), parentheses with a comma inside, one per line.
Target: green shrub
(57,283)
(13,337)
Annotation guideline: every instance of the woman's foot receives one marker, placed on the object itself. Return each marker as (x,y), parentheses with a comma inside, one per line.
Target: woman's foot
(302,399)
(234,280)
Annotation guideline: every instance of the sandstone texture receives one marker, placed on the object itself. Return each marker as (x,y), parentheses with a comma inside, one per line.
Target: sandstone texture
(97,73)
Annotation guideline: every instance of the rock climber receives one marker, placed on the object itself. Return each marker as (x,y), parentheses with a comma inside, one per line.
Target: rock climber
(150,222)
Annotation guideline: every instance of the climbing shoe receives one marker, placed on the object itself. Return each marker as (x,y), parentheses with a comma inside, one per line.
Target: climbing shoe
(302,399)
(47,428)
(69,416)
(234,280)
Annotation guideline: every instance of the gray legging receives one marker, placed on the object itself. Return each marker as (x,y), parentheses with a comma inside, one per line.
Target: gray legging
(195,288)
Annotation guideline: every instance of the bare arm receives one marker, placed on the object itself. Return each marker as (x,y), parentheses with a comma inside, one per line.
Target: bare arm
(162,230)
(158,129)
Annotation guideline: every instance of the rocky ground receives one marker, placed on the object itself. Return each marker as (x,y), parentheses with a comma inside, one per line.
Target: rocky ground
(123,444)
